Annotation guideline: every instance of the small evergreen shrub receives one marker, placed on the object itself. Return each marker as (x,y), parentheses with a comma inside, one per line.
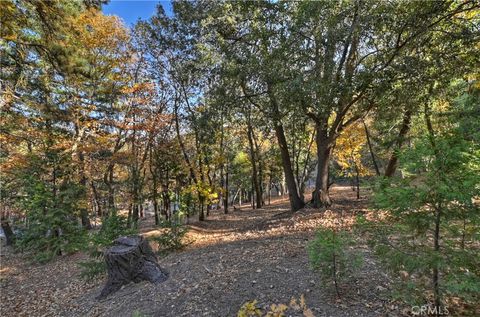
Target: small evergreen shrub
(171,238)
(52,228)
(113,226)
(429,239)
(331,255)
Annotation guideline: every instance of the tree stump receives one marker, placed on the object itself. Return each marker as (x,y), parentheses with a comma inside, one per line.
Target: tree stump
(131,259)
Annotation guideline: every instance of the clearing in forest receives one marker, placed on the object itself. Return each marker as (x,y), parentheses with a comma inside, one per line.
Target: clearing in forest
(232,259)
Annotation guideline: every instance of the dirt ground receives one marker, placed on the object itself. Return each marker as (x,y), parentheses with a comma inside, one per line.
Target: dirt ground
(245,255)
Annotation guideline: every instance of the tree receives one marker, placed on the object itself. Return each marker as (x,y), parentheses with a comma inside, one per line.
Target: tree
(348,153)
(433,205)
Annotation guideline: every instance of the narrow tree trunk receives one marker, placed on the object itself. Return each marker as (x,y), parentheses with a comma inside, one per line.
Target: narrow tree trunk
(259,190)
(225,194)
(253,159)
(83,182)
(296,202)
(166,204)
(370,148)
(201,215)
(269,189)
(96,199)
(155,199)
(7,230)
(357,178)
(155,211)
(405,127)
(108,181)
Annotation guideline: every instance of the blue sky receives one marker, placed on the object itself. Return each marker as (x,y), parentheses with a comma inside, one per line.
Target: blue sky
(131,10)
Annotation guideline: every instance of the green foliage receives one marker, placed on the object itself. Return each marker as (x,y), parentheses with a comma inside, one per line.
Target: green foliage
(331,254)
(171,238)
(433,220)
(113,227)
(52,228)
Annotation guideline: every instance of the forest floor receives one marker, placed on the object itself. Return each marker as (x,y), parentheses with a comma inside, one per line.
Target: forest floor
(231,259)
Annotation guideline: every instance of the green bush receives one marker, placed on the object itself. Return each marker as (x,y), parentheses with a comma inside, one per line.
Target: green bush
(429,239)
(112,227)
(52,228)
(171,238)
(331,255)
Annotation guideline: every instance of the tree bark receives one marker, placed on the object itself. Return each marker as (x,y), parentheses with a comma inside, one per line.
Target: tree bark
(253,158)
(370,148)
(131,259)
(108,180)
(83,182)
(225,194)
(9,235)
(405,127)
(320,196)
(296,202)
(96,198)
(258,157)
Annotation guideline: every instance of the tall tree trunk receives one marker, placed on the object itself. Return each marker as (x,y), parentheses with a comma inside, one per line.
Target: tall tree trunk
(96,199)
(296,202)
(357,179)
(253,158)
(83,182)
(258,156)
(111,192)
(155,209)
(321,198)
(306,171)
(225,193)
(370,148)
(404,128)
(201,215)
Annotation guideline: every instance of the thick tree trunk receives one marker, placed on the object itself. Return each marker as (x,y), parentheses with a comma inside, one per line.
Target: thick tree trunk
(405,127)
(320,196)
(131,259)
